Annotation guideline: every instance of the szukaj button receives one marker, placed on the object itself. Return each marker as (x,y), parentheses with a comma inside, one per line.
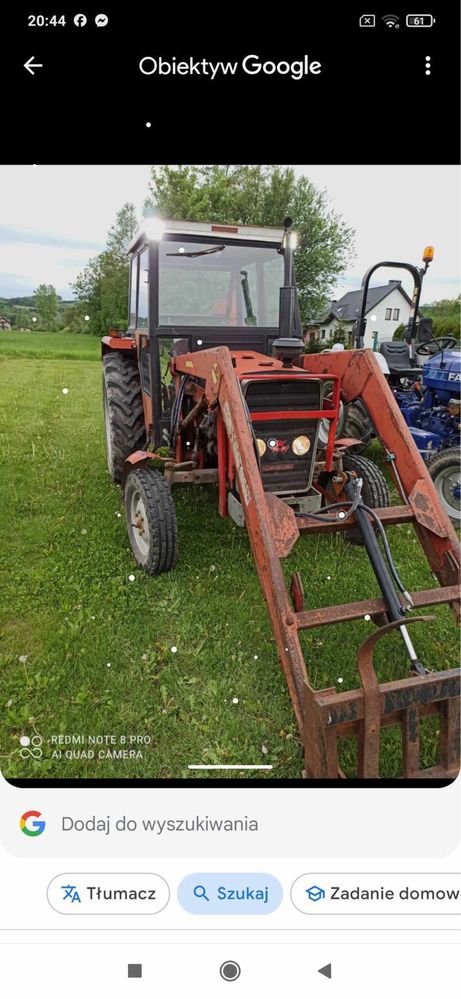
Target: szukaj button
(230,894)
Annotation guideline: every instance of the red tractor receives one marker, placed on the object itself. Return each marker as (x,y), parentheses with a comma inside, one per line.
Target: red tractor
(211,380)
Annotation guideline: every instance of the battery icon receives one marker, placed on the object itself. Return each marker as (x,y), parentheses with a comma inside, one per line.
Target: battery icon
(420,20)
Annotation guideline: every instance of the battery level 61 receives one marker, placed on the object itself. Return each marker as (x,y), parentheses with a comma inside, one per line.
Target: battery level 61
(420,20)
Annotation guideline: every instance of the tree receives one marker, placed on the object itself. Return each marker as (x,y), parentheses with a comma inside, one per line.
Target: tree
(262,195)
(22,318)
(445,315)
(47,307)
(342,333)
(101,289)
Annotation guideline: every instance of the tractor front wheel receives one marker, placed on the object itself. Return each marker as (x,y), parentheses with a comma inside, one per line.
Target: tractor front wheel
(151,519)
(445,472)
(374,489)
(357,424)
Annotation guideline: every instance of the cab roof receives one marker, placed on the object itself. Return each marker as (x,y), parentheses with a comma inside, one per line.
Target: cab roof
(255,233)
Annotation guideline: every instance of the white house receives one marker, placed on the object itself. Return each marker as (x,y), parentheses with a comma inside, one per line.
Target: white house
(387,307)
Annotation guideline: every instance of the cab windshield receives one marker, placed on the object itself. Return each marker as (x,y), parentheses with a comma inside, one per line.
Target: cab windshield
(219,284)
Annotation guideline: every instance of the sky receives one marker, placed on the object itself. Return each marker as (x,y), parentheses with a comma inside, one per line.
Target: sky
(54,218)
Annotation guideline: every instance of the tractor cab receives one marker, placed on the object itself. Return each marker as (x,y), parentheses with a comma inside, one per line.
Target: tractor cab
(197,285)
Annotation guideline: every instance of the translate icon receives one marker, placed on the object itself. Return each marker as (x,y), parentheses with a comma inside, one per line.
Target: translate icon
(314,893)
(71,893)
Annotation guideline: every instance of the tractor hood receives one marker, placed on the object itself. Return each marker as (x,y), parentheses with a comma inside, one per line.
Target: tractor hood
(442,373)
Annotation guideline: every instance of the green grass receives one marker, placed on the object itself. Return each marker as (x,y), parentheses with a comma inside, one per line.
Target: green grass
(53,346)
(68,605)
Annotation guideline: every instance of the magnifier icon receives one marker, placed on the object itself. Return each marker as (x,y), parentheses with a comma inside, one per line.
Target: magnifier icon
(200,892)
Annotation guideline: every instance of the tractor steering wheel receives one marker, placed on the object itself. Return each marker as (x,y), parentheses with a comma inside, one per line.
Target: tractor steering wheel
(444,343)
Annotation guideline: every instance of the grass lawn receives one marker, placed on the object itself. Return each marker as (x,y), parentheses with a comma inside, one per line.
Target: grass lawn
(85,651)
(58,346)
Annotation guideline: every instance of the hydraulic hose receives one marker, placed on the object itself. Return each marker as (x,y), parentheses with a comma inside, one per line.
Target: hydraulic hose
(387,550)
(354,505)
(176,410)
(386,574)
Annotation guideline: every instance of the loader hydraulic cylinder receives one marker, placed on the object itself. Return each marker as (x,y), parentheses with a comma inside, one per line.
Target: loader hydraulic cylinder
(383,576)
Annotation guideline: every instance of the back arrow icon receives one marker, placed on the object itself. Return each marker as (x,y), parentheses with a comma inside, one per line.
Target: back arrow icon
(30,65)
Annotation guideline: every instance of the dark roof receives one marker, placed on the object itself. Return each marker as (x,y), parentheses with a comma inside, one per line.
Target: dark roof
(348,306)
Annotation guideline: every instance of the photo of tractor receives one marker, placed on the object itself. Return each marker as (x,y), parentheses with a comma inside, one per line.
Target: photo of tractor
(210,385)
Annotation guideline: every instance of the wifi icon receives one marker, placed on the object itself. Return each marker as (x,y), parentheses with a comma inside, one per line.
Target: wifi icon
(391,20)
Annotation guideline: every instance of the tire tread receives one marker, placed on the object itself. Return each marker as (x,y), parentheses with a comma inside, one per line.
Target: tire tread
(161,514)
(126,413)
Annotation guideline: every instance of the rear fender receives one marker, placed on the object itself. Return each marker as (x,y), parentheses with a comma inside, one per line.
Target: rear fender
(109,343)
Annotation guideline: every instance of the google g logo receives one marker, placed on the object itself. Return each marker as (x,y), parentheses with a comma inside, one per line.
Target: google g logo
(31,828)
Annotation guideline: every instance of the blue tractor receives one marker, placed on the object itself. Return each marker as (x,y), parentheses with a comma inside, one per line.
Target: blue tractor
(425,376)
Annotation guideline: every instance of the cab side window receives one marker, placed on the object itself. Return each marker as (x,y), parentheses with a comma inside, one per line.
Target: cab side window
(143,292)
(133,291)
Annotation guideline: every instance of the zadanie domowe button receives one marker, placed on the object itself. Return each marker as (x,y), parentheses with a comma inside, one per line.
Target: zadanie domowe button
(230,971)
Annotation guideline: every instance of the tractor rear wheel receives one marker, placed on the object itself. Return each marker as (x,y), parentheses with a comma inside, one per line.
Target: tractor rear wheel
(357,424)
(375,492)
(445,472)
(123,410)
(151,519)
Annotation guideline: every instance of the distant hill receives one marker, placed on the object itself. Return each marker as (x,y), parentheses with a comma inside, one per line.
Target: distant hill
(28,301)
(445,316)
(9,306)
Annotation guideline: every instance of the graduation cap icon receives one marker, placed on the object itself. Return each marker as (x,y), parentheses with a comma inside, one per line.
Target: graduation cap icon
(314,893)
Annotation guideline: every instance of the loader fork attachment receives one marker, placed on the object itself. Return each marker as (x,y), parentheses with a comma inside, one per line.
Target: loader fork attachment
(362,714)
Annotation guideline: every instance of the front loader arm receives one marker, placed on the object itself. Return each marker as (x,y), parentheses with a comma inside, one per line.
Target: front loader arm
(326,716)
(361,376)
(265,524)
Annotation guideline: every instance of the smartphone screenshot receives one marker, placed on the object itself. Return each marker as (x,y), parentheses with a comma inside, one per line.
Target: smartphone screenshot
(230,391)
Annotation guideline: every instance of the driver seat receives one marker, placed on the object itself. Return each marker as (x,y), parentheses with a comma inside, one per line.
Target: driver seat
(397,355)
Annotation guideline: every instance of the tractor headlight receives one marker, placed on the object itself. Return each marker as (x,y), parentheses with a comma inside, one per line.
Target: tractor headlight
(262,447)
(301,445)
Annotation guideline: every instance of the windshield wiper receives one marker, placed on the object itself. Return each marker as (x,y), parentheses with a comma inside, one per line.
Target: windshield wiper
(198,253)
